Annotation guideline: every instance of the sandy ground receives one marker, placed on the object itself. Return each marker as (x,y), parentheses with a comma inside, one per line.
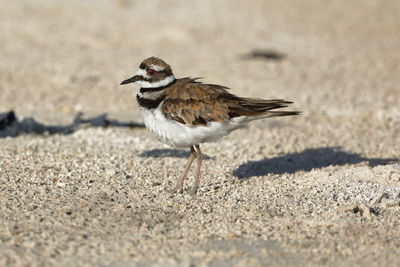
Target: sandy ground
(322,188)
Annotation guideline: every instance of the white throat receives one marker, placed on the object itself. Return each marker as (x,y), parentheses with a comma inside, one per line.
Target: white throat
(164,82)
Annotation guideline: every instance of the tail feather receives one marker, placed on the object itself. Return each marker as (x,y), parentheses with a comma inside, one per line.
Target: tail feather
(271,114)
(281,113)
(259,108)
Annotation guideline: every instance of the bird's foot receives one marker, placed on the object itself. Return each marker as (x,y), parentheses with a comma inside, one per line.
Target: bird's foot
(176,189)
(193,191)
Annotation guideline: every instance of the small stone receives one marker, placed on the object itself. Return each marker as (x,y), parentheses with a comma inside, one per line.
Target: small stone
(110,172)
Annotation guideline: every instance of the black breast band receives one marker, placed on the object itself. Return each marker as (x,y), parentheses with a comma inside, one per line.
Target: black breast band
(149,103)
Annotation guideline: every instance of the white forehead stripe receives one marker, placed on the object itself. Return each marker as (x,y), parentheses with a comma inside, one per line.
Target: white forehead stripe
(156,67)
(165,82)
(142,72)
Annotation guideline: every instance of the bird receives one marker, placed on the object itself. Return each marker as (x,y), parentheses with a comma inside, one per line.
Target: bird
(185,112)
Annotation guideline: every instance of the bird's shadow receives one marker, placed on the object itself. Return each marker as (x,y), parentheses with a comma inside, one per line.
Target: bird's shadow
(10,126)
(168,153)
(306,160)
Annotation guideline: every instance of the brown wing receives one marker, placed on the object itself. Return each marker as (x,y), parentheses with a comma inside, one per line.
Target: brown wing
(194,103)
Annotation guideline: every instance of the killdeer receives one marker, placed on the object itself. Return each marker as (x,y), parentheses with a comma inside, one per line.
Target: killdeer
(184,113)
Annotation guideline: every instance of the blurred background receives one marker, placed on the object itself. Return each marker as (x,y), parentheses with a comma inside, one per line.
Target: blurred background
(332,58)
(321,188)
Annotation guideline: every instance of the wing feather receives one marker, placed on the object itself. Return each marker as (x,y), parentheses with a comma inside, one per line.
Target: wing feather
(194,103)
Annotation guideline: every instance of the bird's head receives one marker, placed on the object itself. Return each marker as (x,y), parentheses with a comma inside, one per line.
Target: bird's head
(153,72)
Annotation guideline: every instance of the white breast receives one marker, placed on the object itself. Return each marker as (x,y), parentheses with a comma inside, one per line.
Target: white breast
(179,135)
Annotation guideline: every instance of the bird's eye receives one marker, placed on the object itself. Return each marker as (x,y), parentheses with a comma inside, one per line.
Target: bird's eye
(151,72)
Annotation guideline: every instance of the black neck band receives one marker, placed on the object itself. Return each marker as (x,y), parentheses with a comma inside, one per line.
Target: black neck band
(156,89)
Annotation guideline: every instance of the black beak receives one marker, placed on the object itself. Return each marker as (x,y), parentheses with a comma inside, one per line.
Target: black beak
(132,79)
